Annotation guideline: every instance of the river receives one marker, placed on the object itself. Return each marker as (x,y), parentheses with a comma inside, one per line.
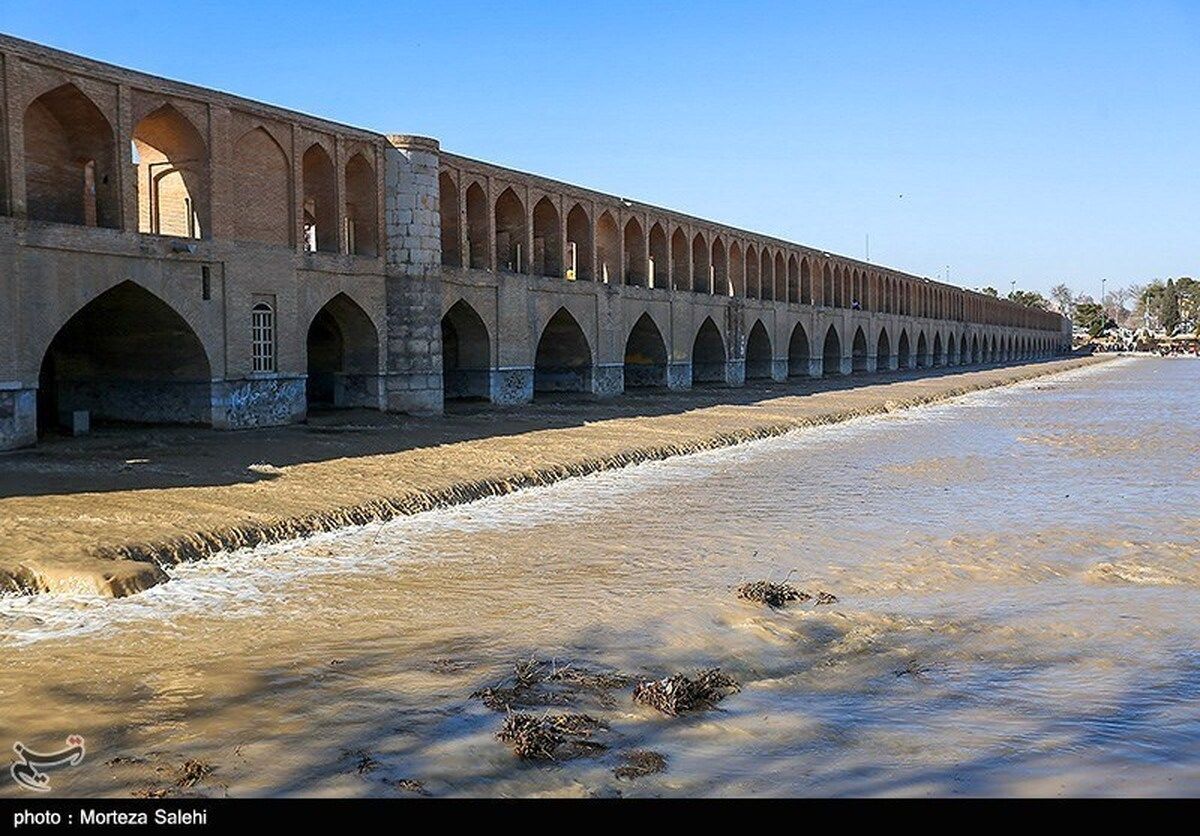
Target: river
(1017,574)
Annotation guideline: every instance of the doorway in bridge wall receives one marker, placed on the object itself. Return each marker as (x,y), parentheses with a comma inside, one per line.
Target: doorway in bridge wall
(466,354)
(831,355)
(903,354)
(126,357)
(343,357)
(798,352)
(859,351)
(645,356)
(564,359)
(883,351)
(758,353)
(708,355)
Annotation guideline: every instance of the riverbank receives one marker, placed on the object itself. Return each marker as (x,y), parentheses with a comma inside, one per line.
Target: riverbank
(102,514)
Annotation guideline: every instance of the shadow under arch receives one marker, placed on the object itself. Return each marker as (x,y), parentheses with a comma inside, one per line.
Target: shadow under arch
(859,351)
(798,352)
(563,362)
(466,354)
(883,351)
(708,354)
(831,354)
(903,353)
(343,356)
(125,357)
(645,355)
(758,353)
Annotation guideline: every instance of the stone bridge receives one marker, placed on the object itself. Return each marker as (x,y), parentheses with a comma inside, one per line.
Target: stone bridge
(171,254)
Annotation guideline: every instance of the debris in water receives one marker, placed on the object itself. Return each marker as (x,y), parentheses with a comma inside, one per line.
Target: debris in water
(408,785)
(774,595)
(540,683)
(541,738)
(913,668)
(676,694)
(192,772)
(150,792)
(825,598)
(641,762)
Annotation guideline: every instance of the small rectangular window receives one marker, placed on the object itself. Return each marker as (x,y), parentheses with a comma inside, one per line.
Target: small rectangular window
(205,282)
(262,337)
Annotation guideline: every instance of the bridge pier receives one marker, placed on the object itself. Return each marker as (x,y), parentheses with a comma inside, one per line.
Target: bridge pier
(608,380)
(512,386)
(779,370)
(18,416)
(735,373)
(679,376)
(816,367)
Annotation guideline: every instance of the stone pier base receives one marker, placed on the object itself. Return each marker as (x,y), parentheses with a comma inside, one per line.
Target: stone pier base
(258,402)
(18,416)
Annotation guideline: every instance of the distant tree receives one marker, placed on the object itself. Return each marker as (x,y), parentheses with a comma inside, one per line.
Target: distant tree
(1064,300)
(989,291)
(1030,299)
(1168,308)
(1090,316)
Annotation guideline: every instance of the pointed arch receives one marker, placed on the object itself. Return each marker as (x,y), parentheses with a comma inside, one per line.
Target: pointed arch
(645,355)
(883,351)
(478,257)
(781,277)
(660,257)
(579,244)
(766,272)
(798,352)
(563,362)
(635,254)
(793,274)
(737,271)
(509,213)
(903,353)
(172,175)
(758,353)
(547,239)
(608,249)
(343,356)
(466,354)
(362,207)
(720,269)
(126,356)
(319,183)
(831,354)
(701,268)
(681,276)
(922,351)
(806,288)
(70,161)
(939,359)
(858,352)
(451,223)
(753,282)
(708,354)
(262,173)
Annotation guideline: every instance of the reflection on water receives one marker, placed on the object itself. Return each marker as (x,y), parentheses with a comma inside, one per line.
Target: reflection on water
(1017,572)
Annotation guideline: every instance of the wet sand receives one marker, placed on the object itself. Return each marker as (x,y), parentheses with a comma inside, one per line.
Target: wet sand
(101,514)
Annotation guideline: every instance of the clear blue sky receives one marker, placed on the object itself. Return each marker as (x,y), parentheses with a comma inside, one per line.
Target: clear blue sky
(1035,141)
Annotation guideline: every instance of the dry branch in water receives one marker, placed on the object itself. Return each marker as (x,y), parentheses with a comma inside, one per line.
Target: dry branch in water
(676,694)
(641,762)
(550,736)
(774,595)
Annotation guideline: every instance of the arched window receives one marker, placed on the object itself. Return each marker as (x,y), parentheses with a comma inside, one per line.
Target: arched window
(262,337)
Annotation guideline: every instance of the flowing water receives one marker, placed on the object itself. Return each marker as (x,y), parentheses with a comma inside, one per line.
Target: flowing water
(1018,574)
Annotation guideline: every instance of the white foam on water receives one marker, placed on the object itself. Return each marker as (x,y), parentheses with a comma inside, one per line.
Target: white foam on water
(248,582)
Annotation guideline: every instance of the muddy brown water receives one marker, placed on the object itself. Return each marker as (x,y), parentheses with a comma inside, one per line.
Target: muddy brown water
(1017,571)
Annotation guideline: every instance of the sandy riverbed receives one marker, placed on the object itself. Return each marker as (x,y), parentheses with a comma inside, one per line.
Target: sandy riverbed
(100,513)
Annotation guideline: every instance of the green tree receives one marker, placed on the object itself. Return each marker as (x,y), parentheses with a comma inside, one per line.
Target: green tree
(1030,299)
(1168,308)
(989,291)
(1090,317)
